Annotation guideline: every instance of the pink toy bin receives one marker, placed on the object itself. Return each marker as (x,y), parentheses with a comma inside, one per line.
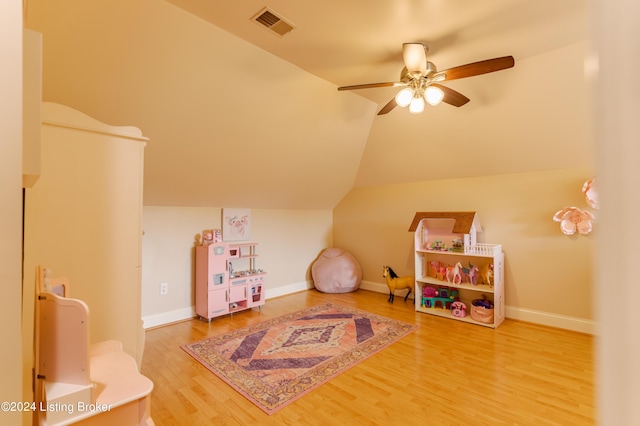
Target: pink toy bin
(482,310)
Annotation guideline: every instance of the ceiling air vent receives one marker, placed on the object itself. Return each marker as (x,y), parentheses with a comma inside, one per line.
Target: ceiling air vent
(273,22)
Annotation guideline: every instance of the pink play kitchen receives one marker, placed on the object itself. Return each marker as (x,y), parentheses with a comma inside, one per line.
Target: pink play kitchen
(227,279)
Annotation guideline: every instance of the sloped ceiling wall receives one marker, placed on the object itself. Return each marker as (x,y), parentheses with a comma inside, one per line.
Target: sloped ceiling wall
(233,125)
(531,118)
(230,124)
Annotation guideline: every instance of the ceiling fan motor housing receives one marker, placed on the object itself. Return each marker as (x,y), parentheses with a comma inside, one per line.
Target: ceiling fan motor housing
(431,68)
(406,75)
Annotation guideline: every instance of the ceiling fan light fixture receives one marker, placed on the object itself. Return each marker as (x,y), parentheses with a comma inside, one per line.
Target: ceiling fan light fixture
(404,97)
(420,80)
(417,104)
(433,95)
(415,57)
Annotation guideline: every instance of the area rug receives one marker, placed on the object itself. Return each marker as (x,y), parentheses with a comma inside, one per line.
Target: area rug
(275,362)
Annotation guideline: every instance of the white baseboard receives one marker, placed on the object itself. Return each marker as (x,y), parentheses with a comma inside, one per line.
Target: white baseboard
(288,289)
(381,288)
(581,325)
(521,314)
(188,313)
(168,317)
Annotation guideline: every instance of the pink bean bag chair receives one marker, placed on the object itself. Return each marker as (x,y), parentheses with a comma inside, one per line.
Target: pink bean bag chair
(336,271)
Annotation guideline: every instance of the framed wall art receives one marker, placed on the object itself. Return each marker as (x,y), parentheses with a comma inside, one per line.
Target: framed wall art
(236,224)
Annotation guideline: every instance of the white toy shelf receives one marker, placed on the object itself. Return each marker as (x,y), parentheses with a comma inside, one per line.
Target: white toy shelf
(451,266)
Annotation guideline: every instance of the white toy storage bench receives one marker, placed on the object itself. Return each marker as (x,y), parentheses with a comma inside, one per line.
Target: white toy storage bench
(79,383)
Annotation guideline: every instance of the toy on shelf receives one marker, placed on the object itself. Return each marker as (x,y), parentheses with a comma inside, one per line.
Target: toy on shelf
(458,309)
(486,274)
(441,297)
(210,236)
(482,310)
(429,292)
(438,270)
(470,274)
(438,245)
(207,237)
(454,273)
(394,282)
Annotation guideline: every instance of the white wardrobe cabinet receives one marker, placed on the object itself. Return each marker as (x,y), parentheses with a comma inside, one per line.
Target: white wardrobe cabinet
(83,219)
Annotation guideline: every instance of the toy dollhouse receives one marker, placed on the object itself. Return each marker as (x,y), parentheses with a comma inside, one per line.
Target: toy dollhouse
(453,269)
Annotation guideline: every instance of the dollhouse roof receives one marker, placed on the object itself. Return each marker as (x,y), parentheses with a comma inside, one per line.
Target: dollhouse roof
(464,221)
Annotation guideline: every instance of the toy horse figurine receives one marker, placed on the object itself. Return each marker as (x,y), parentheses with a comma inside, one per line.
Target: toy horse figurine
(470,273)
(435,268)
(454,273)
(438,270)
(486,274)
(394,282)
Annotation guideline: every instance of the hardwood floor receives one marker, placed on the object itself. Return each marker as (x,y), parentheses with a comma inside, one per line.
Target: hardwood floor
(445,373)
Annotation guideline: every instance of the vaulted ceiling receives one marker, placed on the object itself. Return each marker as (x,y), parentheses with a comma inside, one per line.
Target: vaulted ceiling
(241,117)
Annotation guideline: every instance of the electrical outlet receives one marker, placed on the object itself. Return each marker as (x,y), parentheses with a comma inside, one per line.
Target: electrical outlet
(164,289)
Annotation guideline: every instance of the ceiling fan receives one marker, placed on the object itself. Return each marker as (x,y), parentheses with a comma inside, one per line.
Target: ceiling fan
(420,80)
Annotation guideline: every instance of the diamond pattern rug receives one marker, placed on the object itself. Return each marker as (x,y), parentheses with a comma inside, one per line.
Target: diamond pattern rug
(277,361)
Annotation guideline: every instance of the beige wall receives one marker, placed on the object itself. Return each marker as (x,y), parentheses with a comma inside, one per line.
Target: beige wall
(288,243)
(548,275)
(11,367)
(179,79)
(618,369)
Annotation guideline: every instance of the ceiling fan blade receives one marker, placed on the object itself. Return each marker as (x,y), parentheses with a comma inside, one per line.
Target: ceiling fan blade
(415,57)
(371,85)
(452,97)
(475,68)
(388,107)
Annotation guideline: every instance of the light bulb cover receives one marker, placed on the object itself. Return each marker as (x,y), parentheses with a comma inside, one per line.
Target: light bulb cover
(404,97)
(433,95)
(417,105)
(415,57)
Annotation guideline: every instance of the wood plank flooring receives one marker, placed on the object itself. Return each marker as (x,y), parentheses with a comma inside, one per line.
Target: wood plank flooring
(445,373)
